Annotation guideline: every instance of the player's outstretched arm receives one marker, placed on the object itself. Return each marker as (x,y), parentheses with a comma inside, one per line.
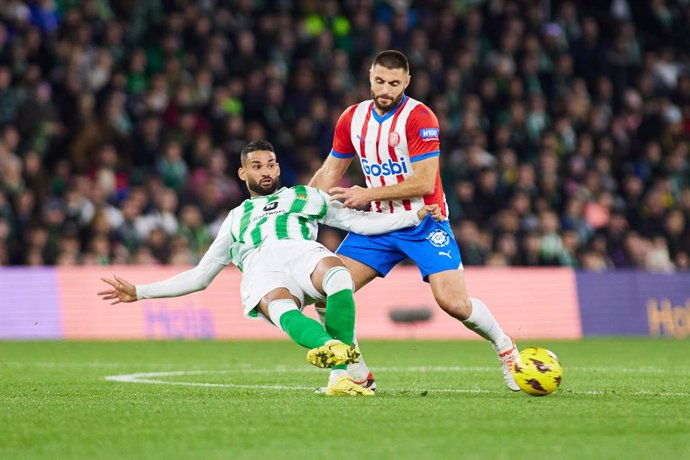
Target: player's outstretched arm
(122,290)
(374,223)
(195,279)
(330,173)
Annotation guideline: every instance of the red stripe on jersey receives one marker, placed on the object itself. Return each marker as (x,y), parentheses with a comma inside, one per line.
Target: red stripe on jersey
(378,160)
(394,157)
(363,144)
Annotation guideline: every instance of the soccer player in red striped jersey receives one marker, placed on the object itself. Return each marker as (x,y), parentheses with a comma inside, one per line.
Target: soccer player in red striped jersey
(396,139)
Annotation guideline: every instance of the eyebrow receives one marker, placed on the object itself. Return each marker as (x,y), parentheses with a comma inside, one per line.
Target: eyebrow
(389,81)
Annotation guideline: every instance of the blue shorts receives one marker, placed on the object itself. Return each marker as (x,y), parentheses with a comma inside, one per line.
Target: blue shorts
(431,246)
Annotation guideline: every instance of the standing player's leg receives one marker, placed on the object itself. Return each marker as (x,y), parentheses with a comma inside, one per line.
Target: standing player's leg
(437,255)
(450,293)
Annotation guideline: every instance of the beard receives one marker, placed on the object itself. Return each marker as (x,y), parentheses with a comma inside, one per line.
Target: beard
(386,105)
(264,190)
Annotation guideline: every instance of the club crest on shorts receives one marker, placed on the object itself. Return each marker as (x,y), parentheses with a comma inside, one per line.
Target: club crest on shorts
(393,139)
(438,238)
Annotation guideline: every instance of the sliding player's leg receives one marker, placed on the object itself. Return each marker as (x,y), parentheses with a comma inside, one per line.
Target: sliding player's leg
(281,307)
(360,274)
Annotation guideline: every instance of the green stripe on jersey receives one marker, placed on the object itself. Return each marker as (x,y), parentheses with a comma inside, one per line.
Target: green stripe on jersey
(256,233)
(281,226)
(244,220)
(304,227)
(324,208)
(296,207)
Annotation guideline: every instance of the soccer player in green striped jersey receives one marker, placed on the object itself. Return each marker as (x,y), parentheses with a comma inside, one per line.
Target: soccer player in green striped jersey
(271,237)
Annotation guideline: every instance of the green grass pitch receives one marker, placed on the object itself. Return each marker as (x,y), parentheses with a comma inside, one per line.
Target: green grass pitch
(620,398)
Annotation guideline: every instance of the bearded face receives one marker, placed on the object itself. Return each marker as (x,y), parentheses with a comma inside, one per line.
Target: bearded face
(261,173)
(263,186)
(387,87)
(385,103)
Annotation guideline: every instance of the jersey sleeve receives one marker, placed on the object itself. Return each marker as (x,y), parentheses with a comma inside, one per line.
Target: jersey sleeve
(423,134)
(199,277)
(342,141)
(367,223)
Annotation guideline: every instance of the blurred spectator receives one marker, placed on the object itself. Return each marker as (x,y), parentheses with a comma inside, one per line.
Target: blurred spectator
(565,125)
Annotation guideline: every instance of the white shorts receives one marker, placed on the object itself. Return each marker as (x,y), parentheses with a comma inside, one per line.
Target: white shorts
(281,264)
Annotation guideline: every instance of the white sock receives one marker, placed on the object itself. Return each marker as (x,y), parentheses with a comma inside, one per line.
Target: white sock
(337,279)
(335,375)
(358,371)
(482,322)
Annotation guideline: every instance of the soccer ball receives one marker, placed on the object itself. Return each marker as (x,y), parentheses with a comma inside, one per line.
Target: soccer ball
(539,371)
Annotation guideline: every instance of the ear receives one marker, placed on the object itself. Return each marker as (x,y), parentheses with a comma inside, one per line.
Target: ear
(409,78)
(241,173)
(278,168)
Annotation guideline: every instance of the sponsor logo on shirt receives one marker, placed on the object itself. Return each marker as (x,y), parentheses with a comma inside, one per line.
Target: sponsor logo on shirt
(393,139)
(271,206)
(429,134)
(390,168)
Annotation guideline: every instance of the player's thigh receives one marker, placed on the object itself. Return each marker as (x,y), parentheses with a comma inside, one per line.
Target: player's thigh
(265,275)
(322,268)
(369,256)
(361,273)
(276,294)
(309,264)
(450,293)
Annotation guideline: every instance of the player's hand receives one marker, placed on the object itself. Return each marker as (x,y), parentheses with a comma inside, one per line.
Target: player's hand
(123,290)
(432,209)
(353,197)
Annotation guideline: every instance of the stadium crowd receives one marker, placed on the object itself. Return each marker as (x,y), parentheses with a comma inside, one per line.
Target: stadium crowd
(565,125)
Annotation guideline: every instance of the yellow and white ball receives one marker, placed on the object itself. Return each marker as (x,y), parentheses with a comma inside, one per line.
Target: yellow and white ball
(539,371)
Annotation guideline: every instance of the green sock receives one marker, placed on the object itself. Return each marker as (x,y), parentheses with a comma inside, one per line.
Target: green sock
(340,315)
(303,330)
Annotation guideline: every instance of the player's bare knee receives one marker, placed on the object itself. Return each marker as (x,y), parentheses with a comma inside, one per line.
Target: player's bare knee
(458,307)
(277,294)
(322,268)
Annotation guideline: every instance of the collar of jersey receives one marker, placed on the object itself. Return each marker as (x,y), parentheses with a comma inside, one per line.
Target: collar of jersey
(267,196)
(381,119)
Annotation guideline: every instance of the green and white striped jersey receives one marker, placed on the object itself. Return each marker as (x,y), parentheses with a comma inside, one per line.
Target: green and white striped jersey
(289,214)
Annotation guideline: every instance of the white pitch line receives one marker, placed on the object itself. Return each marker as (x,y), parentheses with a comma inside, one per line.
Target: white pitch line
(285,369)
(141,378)
(154,379)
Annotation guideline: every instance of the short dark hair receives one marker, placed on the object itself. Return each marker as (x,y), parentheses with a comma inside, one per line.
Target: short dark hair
(253,146)
(392,59)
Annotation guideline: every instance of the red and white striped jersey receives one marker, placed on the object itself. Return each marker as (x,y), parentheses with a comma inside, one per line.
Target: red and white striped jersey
(387,146)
